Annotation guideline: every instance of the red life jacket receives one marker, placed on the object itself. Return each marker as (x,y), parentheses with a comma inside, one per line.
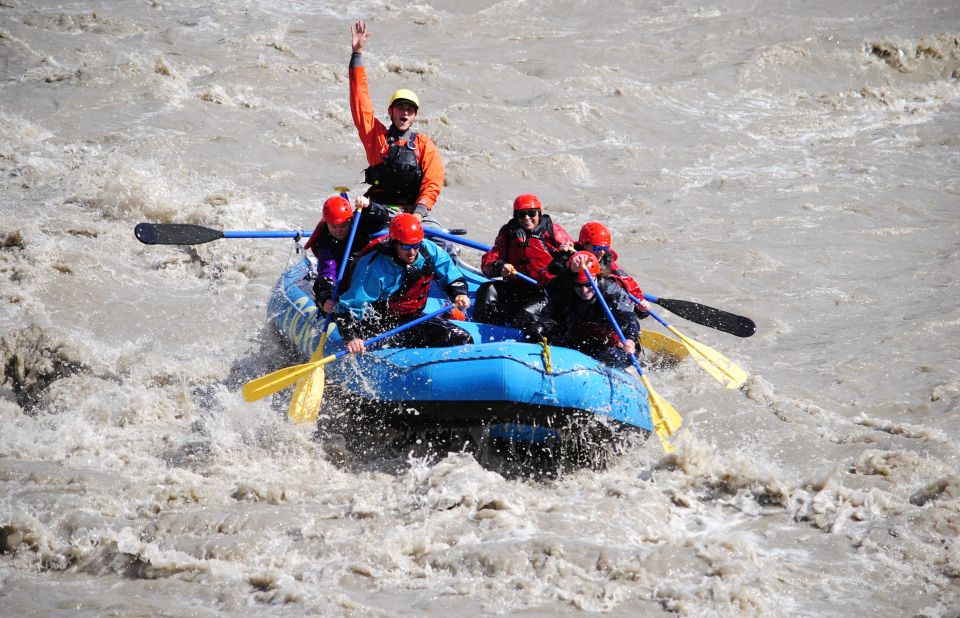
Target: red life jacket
(411,296)
(531,252)
(627,283)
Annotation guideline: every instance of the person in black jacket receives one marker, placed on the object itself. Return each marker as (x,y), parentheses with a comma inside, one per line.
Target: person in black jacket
(573,317)
(329,242)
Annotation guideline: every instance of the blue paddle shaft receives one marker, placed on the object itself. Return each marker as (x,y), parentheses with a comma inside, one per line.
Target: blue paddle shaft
(429,231)
(401,328)
(262,234)
(343,267)
(613,321)
(652,299)
(474,245)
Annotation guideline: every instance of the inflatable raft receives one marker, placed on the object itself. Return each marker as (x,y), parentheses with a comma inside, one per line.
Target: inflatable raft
(521,391)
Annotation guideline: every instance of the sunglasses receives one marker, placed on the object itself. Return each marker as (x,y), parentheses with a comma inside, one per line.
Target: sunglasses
(585,284)
(600,248)
(530,212)
(415,245)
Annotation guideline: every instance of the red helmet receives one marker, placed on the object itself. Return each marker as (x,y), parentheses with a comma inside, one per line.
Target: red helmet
(593,266)
(595,233)
(406,229)
(527,201)
(336,210)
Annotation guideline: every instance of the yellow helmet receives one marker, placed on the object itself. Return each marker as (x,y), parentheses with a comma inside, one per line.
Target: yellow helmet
(408,95)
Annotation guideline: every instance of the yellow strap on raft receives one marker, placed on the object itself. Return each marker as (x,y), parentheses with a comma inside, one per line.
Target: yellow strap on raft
(547,363)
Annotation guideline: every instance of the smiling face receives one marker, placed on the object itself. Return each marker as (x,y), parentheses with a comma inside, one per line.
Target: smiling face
(402,114)
(585,291)
(339,231)
(528,219)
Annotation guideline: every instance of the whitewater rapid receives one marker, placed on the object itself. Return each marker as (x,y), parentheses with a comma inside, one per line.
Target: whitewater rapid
(795,163)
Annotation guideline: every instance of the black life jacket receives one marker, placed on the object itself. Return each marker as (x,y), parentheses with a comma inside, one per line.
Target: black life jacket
(396,179)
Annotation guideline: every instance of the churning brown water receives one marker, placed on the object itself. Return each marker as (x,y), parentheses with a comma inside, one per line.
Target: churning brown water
(796,162)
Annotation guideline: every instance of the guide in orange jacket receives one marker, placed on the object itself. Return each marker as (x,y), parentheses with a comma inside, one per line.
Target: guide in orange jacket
(406,172)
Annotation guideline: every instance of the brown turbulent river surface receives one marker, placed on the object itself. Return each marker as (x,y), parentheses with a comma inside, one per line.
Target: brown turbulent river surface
(796,162)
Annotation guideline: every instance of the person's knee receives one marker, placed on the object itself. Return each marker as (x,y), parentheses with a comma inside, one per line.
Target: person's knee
(460,336)
(486,305)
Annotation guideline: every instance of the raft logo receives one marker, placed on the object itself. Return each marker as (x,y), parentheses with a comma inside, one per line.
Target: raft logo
(298,320)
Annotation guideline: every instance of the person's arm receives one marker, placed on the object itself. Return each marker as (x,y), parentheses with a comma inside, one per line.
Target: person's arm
(323,290)
(326,270)
(558,265)
(433,175)
(491,264)
(365,288)
(372,132)
(558,250)
(375,217)
(622,309)
(326,261)
(448,275)
(561,236)
(628,283)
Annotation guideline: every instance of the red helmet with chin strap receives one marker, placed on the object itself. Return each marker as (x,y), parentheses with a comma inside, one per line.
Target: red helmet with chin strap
(592,263)
(595,233)
(406,229)
(526,202)
(336,210)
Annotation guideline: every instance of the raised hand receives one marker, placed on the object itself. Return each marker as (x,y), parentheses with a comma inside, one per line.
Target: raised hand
(360,34)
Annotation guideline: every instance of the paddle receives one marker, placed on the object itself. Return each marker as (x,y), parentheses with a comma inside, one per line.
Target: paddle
(708,316)
(282,378)
(666,420)
(667,348)
(189,234)
(716,364)
(308,395)
(695,312)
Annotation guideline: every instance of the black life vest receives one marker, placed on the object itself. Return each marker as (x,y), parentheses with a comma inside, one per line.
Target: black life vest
(396,179)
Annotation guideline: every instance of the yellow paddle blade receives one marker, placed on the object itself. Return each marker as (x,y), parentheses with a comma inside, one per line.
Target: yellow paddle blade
(716,364)
(280,379)
(669,349)
(308,395)
(666,420)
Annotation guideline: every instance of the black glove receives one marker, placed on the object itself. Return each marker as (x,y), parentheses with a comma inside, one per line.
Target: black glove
(322,291)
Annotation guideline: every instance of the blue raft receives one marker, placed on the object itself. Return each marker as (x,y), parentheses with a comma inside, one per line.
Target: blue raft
(526,390)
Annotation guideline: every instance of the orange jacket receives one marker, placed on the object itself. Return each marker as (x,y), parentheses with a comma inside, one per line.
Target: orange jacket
(373,134)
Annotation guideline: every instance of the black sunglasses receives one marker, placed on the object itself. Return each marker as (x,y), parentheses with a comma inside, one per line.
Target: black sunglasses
(530,212)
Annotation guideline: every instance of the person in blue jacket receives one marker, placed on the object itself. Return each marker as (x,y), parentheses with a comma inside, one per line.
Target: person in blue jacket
(389,287)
